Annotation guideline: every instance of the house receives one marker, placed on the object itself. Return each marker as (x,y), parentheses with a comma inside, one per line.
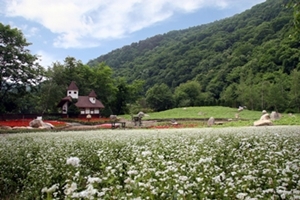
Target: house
(88,105)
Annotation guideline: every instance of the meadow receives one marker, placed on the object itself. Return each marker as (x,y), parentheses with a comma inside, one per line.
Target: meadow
(199,116)
(191,163)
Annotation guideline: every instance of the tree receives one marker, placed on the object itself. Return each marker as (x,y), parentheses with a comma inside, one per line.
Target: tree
(19,68)
(188,94)
(277,96)
(119,106)
(295,4)
(159,97)
(295,92)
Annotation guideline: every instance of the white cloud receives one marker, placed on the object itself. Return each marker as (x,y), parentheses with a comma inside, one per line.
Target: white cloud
(45,59)
(83,24)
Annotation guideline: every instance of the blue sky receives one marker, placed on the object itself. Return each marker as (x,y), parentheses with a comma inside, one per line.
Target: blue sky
(86,29)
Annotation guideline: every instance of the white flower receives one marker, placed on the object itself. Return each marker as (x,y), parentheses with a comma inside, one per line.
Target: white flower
(73,161)
(146,153)
(183,178)
(132,172)
(94,180)
(51,189)
(70,188)
(241,195)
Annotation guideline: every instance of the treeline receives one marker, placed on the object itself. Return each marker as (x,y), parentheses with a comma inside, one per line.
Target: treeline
(43,98)
(249,59)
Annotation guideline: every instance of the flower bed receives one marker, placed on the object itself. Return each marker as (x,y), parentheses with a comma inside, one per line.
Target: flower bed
(25,122)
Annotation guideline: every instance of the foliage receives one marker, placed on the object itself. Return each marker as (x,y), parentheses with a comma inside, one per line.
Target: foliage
(188,94)
(237,163)
(295,4)
(126,95)
(19,69)
(60,75)
(160,97)
(72,109)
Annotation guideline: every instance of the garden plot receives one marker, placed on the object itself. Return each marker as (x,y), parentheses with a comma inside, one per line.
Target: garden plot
(207,163)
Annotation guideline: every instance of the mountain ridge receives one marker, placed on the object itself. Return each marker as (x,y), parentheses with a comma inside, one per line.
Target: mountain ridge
(214,54)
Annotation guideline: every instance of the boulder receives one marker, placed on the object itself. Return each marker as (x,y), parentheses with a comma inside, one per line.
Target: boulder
(5,127)
(211,121)
(274,115)
(237,116)
(265,117)
(47,125)
(113,117)
(240,108)
(36,123)
(21,127)
(263,121)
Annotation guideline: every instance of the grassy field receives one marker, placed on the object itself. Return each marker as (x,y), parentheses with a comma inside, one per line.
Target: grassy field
(246,117)
(192,163)
(202,113)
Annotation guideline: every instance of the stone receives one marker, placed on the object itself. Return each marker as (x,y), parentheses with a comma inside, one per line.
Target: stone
(21,127)
(5,127)
(240,108)
(211,121)
(263,121)
(265,117)
(274,115)
(237,116)
(36,123)
(113,117)
(47,125)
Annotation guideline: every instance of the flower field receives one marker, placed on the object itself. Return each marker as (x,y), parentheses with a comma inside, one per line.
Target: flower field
(207,163)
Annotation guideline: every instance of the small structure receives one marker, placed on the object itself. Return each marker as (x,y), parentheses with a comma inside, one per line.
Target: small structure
(88,105)
(137,119)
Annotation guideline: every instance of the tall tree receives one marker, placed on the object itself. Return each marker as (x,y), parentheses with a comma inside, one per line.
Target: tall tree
(159,97)
(188,94)
(19,69)
(295,92)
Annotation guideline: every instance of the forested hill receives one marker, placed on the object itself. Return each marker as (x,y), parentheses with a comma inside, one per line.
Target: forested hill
(217,55)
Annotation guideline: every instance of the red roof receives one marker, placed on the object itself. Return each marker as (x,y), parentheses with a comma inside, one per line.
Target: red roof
(84,102)
(62,101)
(92,94)
(73,86)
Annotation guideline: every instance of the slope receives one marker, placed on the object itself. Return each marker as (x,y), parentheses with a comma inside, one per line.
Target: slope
(217,54)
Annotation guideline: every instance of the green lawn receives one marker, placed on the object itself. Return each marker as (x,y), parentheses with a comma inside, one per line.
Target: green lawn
(246,117)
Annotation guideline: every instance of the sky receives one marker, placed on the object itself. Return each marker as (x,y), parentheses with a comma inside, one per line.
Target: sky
(87,29)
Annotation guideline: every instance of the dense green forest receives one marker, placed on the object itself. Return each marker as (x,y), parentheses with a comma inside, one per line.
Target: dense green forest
(250,59)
